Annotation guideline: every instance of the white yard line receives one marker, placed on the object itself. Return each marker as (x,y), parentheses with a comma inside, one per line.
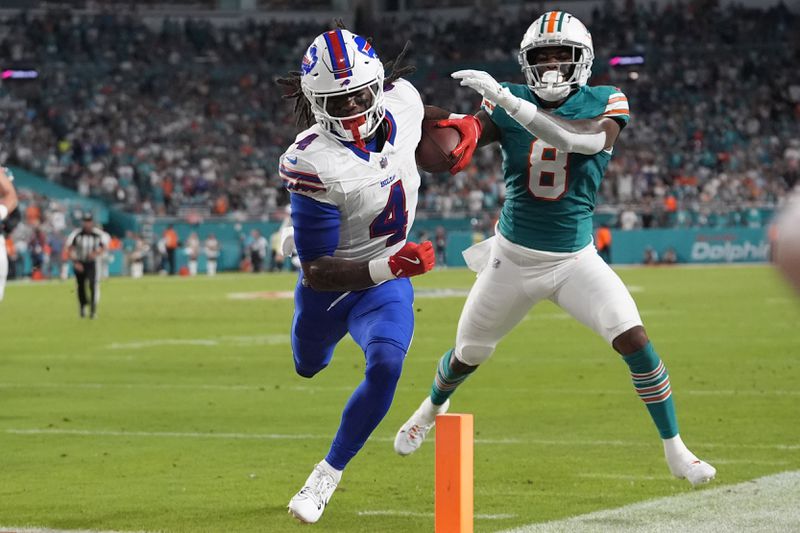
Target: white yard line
(623,477)
(314,389)
(279,436)
(412,514)
(169,434)
(29,529)
(229,340)
(766,504)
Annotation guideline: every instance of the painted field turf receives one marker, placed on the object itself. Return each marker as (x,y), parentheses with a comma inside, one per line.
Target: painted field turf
(178,409)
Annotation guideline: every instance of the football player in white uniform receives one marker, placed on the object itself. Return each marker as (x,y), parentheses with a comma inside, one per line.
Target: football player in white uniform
(353,182)
(8,202)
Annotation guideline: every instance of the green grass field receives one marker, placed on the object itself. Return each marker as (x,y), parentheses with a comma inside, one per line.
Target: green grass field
(178,409)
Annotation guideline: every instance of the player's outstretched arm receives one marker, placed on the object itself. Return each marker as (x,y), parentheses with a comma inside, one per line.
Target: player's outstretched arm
(588,136)
(474,131)
(329,273)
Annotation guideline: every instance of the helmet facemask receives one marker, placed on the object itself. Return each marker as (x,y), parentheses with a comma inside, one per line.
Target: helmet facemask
(552,85)
(358,127)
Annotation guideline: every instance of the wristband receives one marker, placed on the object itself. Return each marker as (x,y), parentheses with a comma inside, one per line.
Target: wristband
(380,271)
(3,212)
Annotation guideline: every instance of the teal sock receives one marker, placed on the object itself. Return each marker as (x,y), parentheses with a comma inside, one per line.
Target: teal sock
(446,381)
(651,381)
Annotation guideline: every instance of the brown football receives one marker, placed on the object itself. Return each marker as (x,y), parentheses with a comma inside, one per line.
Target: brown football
(433,150)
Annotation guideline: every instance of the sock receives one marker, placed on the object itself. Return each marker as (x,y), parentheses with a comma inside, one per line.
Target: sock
(336,473)
(651,381)
(446,381)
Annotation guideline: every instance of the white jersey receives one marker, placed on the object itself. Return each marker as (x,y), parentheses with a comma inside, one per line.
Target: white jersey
(375,193)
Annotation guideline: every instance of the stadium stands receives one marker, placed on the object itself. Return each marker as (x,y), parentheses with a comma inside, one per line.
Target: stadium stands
(183,117)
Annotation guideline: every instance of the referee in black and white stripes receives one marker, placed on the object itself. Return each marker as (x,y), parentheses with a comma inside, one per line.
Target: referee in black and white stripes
(85,247)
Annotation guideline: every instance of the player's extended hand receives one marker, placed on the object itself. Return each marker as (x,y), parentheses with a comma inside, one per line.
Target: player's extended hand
(487,86)
(470,129)
(412,259)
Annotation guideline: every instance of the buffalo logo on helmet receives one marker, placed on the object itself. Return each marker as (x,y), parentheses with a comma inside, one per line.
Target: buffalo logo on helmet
(309,60)
(363,46)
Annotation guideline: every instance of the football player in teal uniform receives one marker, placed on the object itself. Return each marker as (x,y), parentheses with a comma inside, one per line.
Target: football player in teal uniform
(557,137)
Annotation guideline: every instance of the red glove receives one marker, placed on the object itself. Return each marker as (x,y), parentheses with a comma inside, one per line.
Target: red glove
(412,260)
(470,129)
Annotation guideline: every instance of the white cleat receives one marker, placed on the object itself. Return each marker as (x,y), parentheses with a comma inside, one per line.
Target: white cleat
(685,465)
(697,472)
(308,504)
(413,432)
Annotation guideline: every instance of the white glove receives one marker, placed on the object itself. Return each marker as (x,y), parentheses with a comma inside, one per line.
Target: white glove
(487,86)
(287,241)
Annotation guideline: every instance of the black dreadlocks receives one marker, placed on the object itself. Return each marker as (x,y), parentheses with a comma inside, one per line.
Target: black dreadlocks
(302,107)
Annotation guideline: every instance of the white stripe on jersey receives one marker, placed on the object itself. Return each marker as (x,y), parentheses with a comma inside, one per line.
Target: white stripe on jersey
(616,105)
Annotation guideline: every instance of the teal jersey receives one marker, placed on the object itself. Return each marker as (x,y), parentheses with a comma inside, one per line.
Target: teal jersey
(550,195)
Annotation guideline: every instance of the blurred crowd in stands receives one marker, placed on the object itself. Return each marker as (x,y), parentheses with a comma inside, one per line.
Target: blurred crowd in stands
(185,117)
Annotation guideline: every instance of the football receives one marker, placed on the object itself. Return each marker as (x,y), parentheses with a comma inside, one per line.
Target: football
(433,150)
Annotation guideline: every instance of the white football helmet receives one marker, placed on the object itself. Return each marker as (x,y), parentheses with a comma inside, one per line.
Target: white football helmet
(557,28)
(337,63)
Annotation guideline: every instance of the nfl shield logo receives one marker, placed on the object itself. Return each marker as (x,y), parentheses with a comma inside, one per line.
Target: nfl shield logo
(384,162)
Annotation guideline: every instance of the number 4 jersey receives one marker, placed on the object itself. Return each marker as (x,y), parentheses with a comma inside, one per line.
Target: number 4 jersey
(550,195)
(354,203)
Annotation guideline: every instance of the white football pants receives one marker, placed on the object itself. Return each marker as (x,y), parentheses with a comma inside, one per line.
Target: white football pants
(512,279)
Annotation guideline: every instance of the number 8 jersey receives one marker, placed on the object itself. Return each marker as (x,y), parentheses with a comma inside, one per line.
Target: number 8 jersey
(350,202)
(550,195)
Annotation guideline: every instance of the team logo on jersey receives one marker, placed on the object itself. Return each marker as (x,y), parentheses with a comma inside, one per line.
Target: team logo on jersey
(309,60)
(364,47)
(384,162)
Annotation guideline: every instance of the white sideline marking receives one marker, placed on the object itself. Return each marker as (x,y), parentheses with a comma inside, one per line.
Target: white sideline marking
(765,504)
(412,514)
(278,436)
(28,529)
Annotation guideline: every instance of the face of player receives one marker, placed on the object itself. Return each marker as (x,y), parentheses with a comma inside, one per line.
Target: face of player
(347,105)
(552,58)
